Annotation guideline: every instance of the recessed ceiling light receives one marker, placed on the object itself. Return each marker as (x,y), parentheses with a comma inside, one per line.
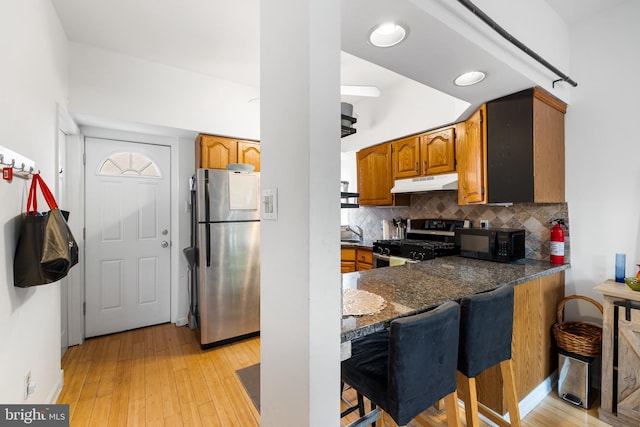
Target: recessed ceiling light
(387,35)
(470,78)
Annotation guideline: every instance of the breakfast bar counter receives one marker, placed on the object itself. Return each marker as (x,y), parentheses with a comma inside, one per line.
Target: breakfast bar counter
(414,288)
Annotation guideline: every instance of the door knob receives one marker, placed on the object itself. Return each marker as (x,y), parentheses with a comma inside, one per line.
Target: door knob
(164,244)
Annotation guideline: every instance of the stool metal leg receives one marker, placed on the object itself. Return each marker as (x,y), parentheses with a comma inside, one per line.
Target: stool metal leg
(369,418)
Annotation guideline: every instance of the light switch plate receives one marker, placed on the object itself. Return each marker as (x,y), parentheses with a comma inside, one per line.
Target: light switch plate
(270,203)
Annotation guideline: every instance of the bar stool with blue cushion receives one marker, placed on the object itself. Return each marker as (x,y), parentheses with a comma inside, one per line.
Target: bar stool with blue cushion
(486,328)
(409,367)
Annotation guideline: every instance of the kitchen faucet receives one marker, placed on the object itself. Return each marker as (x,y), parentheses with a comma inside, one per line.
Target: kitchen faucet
(357,232)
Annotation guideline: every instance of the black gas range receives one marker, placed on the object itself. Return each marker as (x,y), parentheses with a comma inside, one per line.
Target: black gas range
(425,239)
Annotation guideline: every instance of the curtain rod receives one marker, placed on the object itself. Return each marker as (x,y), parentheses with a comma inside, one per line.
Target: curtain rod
(498,29)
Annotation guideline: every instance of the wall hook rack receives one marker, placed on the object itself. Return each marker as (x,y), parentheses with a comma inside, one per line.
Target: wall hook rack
(15,165)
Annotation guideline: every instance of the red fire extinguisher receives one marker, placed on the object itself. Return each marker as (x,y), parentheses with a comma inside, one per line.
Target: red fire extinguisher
(557,242)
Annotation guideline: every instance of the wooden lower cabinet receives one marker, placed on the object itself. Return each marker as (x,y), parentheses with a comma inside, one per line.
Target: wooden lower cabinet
(355,259)
(364,259)
(624,410)
(347,260)
(533,349)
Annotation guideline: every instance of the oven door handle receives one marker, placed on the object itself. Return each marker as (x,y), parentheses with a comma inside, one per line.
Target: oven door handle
(388,258)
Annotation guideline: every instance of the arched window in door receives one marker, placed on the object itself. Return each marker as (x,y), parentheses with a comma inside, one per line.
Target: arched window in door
(129,164)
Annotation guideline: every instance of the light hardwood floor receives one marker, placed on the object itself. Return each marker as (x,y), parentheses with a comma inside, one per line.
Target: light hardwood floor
(159,376)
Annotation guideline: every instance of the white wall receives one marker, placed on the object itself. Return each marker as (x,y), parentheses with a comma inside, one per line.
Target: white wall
(33,78)
(114,86)
(300,291)
(602,149)
(116,95)
(403,109)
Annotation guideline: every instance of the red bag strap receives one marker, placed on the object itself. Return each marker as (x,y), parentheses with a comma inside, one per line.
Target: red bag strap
(48,196)
(32,201)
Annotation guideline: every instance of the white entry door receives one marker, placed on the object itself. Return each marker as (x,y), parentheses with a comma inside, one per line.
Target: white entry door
(127,242)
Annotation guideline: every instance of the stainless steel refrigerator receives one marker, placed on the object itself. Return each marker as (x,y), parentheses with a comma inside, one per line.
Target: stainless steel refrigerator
(226,227)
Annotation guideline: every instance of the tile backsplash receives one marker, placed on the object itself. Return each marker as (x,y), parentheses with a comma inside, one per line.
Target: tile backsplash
(535,218)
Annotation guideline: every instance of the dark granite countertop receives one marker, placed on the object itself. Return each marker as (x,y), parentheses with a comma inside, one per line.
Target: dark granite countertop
(365,244)
(413,288)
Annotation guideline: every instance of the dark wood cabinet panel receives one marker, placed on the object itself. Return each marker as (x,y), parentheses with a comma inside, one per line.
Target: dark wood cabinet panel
(525,148)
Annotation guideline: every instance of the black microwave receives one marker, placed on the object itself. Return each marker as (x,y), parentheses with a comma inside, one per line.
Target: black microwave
(491,244)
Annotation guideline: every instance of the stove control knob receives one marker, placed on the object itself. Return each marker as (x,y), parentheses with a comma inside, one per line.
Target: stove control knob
(422,256)
(386,251)
(412,254)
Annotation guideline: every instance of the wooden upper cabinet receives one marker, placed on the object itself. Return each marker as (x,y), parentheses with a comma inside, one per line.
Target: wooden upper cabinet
(375,177)
(525,137)
(548,148)
(216,152)
(249,152)
(513,151)
(437,151)
(471,154)
(406,157)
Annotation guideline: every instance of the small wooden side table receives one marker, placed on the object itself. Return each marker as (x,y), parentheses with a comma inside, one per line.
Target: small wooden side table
(620,382)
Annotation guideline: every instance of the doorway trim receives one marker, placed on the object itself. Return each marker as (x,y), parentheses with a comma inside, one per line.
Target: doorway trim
(182,145)
(74,188)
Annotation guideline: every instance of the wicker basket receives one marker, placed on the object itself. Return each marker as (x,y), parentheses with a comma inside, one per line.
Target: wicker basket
(578,337)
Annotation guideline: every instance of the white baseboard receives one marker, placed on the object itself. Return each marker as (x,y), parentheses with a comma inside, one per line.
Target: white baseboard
(538,394)
(529,403)
(182,321)
(57,389)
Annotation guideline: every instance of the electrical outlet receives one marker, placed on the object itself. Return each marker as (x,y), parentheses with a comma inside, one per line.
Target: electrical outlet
(27,382)
(484,223)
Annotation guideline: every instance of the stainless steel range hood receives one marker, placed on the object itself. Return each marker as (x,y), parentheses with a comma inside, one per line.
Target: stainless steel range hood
(421,184)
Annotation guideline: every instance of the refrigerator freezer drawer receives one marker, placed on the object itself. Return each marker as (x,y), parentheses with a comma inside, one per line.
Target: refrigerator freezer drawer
(229,280)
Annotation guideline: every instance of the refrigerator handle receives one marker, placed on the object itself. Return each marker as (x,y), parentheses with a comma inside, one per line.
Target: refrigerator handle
(208,243)
(207,217)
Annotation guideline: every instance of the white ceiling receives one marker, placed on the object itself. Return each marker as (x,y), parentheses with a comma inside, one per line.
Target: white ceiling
(572,11)
(221,38)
